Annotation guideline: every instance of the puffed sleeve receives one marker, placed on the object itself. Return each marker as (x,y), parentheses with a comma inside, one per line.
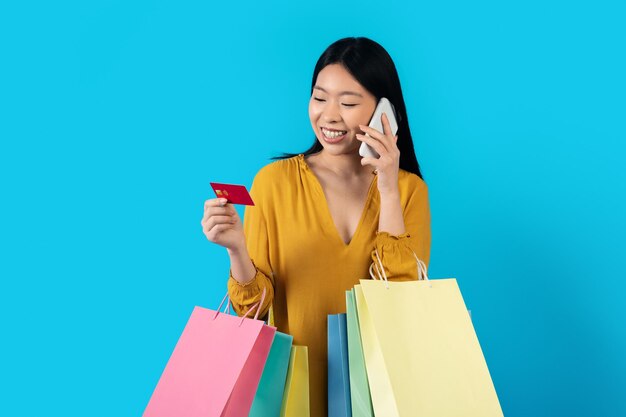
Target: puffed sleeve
(255,230)
(397,252)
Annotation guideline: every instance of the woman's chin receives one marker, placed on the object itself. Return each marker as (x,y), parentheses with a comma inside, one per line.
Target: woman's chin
(342,148)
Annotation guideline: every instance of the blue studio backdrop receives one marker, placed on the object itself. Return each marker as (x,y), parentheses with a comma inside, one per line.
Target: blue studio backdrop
(116,115)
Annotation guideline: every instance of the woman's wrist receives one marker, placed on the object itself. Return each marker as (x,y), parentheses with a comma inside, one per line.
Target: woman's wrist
(391,196)
(242,268)
(238,249)
(391,216)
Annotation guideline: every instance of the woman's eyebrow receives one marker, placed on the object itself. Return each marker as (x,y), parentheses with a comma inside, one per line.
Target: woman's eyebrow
(342,93)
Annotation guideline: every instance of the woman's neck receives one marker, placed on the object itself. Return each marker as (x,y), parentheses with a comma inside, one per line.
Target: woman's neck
(343,165)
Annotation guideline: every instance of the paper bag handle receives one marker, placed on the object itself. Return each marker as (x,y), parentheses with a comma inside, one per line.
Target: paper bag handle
(422,269)
(257,306)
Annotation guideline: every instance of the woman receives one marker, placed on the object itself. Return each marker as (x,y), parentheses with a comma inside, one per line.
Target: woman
(323,216)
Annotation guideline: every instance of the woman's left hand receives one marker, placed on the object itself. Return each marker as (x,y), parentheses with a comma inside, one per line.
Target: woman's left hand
(388,164)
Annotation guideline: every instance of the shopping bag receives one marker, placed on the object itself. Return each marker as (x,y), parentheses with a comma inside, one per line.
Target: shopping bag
(338,375)
(421,351)
(361,402)
(269,395)
(215,367)
(296,395)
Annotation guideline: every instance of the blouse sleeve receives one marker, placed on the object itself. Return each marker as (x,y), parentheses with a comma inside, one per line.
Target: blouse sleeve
(397,252)
(245,296)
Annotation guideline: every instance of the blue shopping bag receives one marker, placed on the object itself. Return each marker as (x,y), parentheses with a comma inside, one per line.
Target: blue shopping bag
(339,404)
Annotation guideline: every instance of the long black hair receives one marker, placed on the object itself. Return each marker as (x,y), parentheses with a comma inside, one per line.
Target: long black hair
(370,64)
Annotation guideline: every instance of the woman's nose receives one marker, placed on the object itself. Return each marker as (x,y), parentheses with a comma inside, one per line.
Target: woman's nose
(331,112)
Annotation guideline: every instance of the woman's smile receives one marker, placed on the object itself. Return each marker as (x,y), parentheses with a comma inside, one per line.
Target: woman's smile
(333,136)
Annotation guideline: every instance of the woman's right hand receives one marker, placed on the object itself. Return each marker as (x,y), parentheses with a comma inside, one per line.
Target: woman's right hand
(221,224)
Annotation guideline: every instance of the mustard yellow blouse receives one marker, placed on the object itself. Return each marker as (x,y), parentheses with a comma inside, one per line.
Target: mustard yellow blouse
(304,264)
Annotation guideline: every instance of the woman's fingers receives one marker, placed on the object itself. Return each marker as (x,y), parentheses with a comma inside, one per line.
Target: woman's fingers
(370,161)
(387,129)
(376,135)
(385,137)
(216,230)
(214,202)
(386,125)
(216,211)
(213,209)
(221,224)
(215,220)
(376,144)
(209,204)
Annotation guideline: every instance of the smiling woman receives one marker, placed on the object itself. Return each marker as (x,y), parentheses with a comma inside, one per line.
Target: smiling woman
(350,77)
(336,114)
(322,215)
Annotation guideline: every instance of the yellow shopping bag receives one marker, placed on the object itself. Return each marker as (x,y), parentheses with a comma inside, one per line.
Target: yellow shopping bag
(296,394)
(421,352)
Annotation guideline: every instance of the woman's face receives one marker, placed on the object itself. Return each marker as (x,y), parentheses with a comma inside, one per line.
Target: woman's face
(336,108)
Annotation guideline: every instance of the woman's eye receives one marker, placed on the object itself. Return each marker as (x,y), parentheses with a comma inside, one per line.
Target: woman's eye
(344,104)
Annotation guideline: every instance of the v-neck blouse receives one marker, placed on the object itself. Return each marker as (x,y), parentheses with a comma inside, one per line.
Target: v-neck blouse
(304,264)
(328,219)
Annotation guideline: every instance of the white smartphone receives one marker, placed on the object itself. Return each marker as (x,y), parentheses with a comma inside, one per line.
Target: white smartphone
(384,106)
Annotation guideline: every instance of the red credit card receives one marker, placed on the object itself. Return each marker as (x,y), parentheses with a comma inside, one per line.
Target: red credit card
(235,194)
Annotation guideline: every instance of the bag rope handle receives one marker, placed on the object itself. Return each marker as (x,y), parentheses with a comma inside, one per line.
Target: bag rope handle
(422,269)
(256,306)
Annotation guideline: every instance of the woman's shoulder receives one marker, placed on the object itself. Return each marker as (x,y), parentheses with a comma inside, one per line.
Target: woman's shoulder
(277,171)
(413,189)
(411,182)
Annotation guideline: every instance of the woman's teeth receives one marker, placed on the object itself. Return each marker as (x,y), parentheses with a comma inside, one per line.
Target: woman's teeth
(333,134)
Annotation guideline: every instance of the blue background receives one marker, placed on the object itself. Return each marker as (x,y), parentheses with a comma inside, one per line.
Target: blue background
(115,116)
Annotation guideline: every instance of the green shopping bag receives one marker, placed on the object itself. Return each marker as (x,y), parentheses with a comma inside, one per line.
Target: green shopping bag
(269,396)
(359,389)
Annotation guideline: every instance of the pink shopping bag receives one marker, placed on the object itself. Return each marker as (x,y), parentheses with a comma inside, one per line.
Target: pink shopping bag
(215,368)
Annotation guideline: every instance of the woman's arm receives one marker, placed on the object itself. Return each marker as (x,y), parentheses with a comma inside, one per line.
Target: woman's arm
(250,269)
(391,217)
(397,251)
(242,269)
(387,166)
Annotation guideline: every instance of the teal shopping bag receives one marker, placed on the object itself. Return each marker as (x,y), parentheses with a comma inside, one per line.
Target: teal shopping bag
(360,398)
(269,395)
(338,379)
